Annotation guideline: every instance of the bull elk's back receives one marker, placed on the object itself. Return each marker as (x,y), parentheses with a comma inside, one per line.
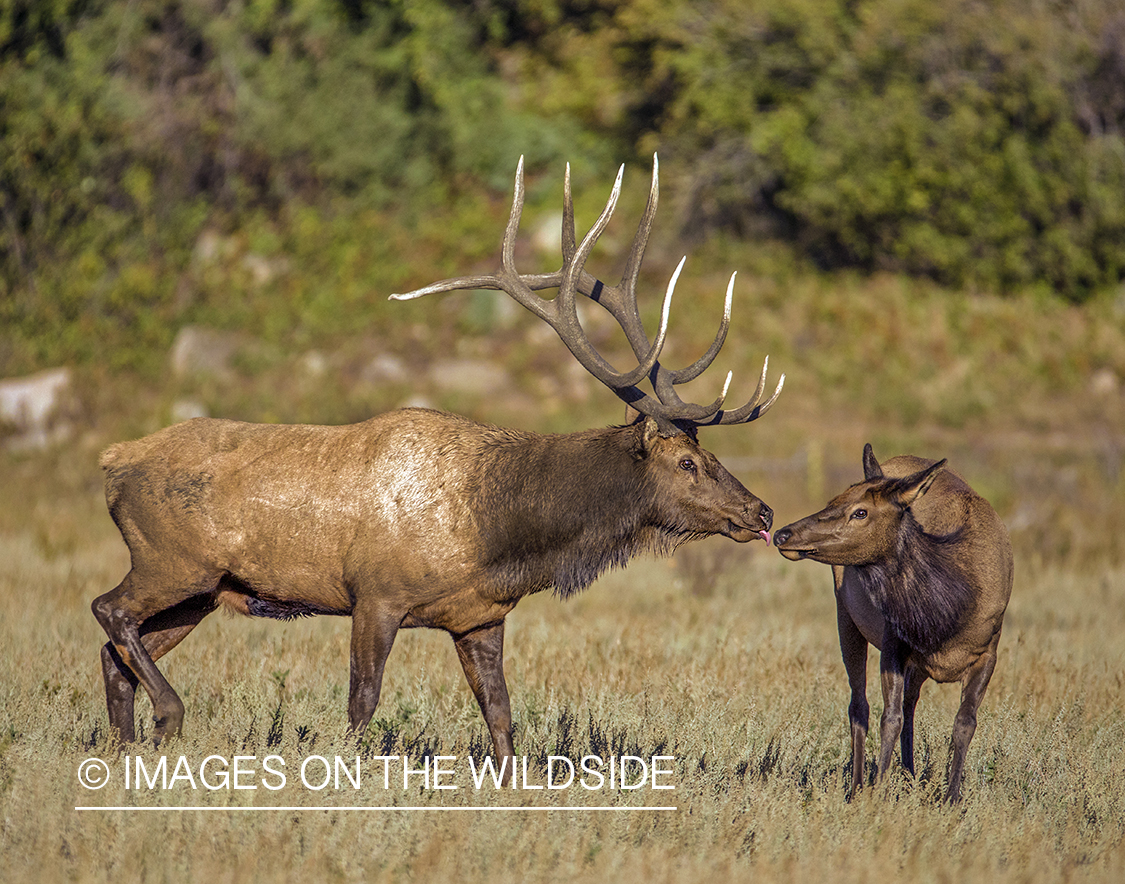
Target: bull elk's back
(390,495)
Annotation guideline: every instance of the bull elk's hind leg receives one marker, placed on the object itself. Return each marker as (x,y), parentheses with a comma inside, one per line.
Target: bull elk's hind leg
(159,634)
(141,629)
(120,693)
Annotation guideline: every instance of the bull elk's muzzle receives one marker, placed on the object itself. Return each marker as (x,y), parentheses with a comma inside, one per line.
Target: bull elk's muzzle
(756,522)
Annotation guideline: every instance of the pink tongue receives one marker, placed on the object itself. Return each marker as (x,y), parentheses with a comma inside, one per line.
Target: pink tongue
(765,535)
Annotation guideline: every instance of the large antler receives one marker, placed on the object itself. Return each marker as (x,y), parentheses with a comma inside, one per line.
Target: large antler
(621,301)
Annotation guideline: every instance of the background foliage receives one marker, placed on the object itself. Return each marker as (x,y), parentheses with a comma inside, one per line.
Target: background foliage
(880,134)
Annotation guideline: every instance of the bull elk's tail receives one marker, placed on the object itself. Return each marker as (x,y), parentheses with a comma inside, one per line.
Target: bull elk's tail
(111,460)
(111,456)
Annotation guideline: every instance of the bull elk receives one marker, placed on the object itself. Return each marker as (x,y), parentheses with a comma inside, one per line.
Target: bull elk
(922,567)
(418,518)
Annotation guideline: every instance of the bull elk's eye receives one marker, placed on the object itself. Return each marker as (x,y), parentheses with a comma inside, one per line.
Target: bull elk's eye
(688,465)
(859,514)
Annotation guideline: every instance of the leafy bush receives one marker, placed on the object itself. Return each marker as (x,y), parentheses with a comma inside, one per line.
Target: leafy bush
(128,127)
(978,143)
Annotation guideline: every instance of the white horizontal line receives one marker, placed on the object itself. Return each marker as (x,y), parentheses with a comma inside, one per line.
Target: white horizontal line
(374,807)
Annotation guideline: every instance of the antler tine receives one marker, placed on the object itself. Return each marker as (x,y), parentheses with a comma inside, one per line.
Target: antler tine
(573,264)
(621,300)
(644,229)
(691,372)
(568,238)
(566,319)
(521,288)
(664,380)
(508,248)
(751,411)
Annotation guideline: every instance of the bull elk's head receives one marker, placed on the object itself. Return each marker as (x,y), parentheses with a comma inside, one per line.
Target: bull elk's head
(666,408)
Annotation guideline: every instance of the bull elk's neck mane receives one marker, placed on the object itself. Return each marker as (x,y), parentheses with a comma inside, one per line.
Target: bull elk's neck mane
(923,593)
(559,510)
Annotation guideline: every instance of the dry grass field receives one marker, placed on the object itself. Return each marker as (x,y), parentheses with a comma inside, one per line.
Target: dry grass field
(723,658)
(722,662)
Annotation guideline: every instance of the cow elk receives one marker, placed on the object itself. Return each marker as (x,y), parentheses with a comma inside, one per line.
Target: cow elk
(417,518)
(922,567)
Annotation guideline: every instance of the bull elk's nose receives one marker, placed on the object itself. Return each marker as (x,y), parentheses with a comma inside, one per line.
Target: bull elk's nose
(766,515)
(783,536)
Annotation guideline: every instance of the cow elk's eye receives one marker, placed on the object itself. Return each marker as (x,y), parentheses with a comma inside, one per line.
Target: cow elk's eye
(859,514)
(688,465)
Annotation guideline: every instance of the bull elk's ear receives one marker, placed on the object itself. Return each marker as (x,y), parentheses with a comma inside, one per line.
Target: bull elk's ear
(651,429)
(871,468)
(648,431)
(912,487)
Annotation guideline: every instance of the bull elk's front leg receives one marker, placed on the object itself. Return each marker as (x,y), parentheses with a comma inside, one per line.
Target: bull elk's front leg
(481,652)
(373,634)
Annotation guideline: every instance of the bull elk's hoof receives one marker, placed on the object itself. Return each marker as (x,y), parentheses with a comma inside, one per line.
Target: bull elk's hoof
(160,731)
(167,725)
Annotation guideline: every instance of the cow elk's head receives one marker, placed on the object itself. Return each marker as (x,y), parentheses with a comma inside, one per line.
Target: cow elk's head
(862,525)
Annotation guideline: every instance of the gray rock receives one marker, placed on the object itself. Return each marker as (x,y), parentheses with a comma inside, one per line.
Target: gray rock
(35,409)
(474,376)
(204,351)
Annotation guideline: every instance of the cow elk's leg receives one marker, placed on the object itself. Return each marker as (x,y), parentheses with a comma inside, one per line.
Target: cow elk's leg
(373,634)
(854,649)
(973,686)
(122,612)
(159,634)
(482,657)
(913,689)
(892,667)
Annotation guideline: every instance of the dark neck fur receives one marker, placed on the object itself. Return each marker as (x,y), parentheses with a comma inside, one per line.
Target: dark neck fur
(923,594)
(557,511)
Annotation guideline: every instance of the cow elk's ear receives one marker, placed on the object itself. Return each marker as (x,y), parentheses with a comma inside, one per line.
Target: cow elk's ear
(871,468)
(913,487)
